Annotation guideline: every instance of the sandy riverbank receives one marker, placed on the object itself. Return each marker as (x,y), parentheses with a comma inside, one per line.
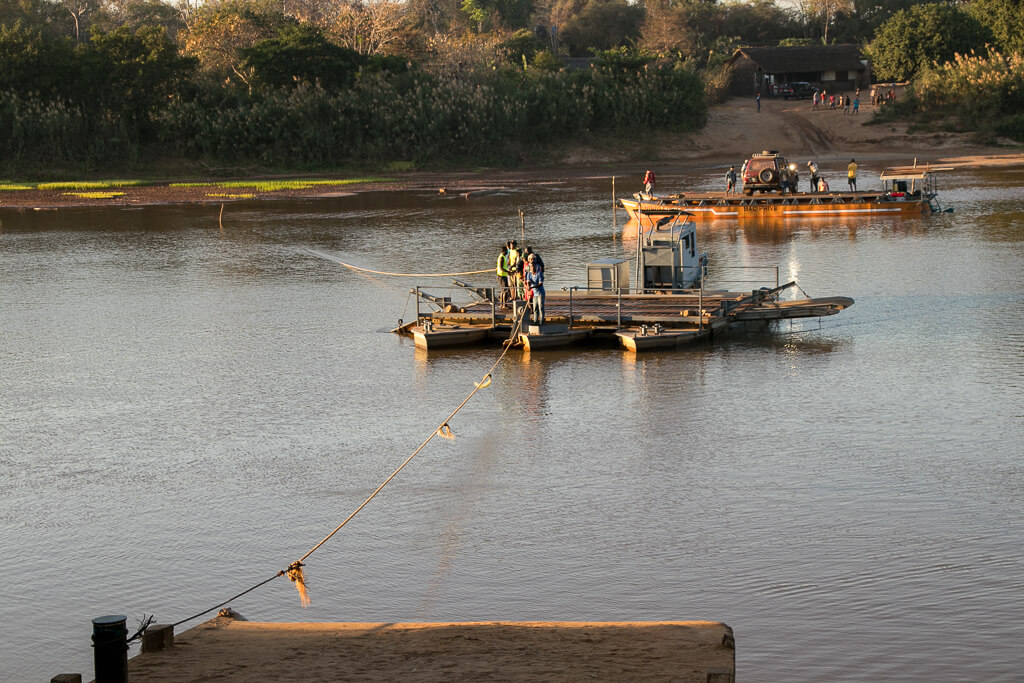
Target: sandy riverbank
(230,650)
(735,129)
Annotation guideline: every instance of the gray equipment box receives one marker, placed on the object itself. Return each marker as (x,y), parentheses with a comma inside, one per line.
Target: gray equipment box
(608,274)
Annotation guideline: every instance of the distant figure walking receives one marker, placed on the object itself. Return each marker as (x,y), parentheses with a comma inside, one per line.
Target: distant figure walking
(730,180)
(649,181)
(815,98)
(856,105)
(757,99)
(851,175)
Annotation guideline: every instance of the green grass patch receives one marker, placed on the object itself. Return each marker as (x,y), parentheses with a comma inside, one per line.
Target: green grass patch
(10,187)
(226,195)
(94,195)
(276,185)
(86,185)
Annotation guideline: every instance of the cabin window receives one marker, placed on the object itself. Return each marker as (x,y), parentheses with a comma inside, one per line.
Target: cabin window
(842,75)
(688,244)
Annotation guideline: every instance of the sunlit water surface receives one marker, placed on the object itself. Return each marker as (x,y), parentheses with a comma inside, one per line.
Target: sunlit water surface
(188,408)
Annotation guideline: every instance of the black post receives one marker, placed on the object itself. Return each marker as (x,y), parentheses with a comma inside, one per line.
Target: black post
(110,648)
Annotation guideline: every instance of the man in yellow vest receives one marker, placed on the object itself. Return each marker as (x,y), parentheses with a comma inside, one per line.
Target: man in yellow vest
(851,175)
(502,271)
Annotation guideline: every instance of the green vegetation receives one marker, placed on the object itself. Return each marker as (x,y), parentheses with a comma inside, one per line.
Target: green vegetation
(89,184)
(95,195)
(977,93)
(136,85)
(914,38)
(82,185)
(289,184)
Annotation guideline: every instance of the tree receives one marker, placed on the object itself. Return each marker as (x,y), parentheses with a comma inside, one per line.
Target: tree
(873,13)
(602,25)
(138,13)
(33,65)
(510,13)
(429,18)
(1005,18)
(219,32)
(368,27)
(131,74)
(822,14)
(914,38)
(79,10)
(760,22)
(42,15)
(301,54)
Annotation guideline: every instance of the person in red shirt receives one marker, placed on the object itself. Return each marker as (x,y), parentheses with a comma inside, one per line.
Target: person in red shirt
(649,181)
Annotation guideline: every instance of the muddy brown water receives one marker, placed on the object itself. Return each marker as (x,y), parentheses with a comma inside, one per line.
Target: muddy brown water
(185,409)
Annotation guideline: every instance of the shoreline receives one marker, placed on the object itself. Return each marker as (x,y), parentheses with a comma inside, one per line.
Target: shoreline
(734,131)
(465,184)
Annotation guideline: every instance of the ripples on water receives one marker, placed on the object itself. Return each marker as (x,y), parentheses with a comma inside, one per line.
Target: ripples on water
(188,409)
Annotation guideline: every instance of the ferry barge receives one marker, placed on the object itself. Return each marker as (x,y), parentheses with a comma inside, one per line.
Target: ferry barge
(907,191)
(667,305)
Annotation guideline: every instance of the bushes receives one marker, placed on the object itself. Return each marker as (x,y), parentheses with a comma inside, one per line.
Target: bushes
(985,94)
(429,120)
(38,133)
(490,116)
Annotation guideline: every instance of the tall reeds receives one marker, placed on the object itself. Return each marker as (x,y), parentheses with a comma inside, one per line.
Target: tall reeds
(417,118)
(983,93)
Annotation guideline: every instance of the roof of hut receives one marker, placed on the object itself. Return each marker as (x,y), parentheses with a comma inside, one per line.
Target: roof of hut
(802,58)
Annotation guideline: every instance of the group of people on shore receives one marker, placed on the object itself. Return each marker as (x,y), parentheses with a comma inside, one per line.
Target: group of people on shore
(521,277)
(878,98)
(849,105)
(832,101)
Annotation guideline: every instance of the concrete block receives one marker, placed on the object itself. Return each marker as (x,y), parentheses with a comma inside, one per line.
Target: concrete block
(719,674)
(158,637)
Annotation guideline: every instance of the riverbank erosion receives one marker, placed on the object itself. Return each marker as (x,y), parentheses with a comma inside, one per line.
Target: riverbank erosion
(734,131)
(226,649)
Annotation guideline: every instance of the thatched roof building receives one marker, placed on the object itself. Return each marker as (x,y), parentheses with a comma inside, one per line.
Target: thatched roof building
(835,67)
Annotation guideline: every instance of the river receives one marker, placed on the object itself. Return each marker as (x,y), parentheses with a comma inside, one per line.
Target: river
(187,407)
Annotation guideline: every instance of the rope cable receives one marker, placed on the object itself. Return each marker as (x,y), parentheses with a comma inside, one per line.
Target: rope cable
(294,570)
(261,583)
(382,272)
(484,382)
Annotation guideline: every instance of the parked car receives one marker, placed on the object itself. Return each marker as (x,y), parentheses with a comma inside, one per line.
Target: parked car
(763,172)
(797,90)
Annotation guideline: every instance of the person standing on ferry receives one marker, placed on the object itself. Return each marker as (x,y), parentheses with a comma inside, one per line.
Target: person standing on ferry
(535,282)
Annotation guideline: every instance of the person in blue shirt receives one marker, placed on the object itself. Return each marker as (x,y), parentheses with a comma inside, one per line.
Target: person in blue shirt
(535,283)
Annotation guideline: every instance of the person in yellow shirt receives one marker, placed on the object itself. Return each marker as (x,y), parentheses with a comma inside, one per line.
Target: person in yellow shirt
(851,175)
(501,269)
